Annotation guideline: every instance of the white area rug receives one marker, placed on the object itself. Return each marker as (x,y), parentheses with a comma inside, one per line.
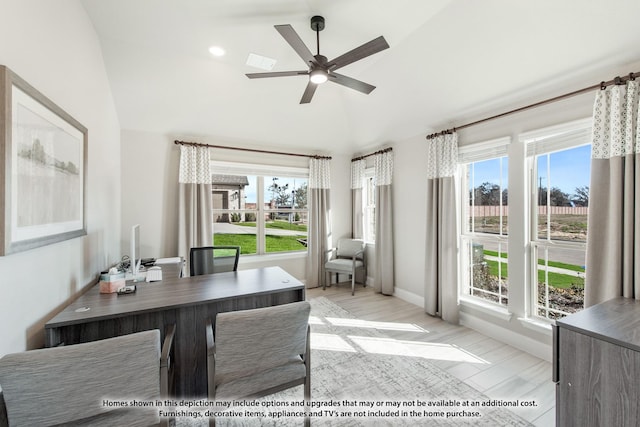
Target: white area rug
(360,377)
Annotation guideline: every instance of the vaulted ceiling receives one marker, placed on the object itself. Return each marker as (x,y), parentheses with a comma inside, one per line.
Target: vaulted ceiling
(448,61)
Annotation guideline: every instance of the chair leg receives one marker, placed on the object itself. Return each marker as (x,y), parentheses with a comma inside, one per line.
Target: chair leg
(353,284)
(307,399)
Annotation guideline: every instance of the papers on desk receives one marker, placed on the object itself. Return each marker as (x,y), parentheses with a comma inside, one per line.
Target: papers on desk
(154,274)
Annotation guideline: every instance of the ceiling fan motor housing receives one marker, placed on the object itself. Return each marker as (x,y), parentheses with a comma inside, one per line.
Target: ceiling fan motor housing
(317,23)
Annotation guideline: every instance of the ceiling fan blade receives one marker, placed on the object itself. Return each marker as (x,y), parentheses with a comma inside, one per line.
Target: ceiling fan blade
(367,49)
(277,74)
(296,42)
(351,83)
(308,93)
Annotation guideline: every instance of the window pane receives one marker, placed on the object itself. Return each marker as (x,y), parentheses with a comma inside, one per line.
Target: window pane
(282,192)
(235,211)
(286,231)
(560,281)
(369,195)
(488,196)
(562,211)
(240,230)
(286,223)
(487,276)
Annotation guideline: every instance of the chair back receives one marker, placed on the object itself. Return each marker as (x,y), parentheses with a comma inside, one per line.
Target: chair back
(347,248)
(252,341)
(68,384)
(213,259)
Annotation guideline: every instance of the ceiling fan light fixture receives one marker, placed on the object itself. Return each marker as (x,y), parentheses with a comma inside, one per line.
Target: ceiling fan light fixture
(318,76)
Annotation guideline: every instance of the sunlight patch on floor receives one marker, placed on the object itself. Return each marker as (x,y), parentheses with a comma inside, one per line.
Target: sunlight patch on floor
(330,342)
(391,326)
(424,350)
(315,320)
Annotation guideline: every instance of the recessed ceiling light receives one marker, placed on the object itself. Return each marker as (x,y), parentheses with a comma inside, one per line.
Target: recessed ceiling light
(262,62)
(216,51)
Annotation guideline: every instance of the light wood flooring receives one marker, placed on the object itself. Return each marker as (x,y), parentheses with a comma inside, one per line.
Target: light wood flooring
(496,369)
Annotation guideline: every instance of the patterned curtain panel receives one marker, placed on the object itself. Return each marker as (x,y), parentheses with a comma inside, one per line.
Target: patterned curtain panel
(319,229)
(357,206)
(613,242)
(441,287)
(384,271)
(194,201)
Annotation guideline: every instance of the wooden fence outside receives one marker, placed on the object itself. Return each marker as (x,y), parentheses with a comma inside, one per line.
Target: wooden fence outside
(479,211)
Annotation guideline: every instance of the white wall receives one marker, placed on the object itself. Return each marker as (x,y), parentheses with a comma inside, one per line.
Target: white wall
(52,45)
(150,164)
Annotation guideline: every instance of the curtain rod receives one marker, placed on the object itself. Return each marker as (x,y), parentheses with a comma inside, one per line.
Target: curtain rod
(602,85)
(254,150)
(371,154)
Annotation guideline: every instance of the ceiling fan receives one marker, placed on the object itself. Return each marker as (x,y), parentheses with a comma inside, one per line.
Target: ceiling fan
(320,69)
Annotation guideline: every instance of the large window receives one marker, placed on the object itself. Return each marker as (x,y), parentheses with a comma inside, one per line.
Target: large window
(484,173)
(524,222)
(560,169)
(262,210)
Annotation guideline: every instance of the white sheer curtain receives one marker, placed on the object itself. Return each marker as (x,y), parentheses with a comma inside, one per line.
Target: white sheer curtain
(441,287)
(613,243)
(357,208)
(194,200)
(319,229)
(384,271)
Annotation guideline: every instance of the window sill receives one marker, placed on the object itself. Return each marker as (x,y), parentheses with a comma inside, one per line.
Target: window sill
(249,259)
(494,310)
(536,325)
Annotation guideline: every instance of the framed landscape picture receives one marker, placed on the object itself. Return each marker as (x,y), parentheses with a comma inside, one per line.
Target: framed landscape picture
(43,169)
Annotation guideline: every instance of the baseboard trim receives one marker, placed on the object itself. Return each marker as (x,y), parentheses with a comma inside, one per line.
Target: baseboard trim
(521,342)
(409,297)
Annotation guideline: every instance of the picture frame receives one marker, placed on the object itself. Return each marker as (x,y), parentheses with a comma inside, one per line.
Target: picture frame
(43,169)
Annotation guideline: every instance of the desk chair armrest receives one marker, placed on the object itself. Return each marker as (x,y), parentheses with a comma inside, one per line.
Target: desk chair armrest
(211,360)
(165,360)
(357,256)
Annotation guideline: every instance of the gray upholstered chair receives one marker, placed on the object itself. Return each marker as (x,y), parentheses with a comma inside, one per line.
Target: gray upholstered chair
(67,385)
(258,352)
(213,259)
(348,258)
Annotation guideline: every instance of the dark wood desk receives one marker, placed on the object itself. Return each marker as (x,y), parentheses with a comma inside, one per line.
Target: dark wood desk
(186,302)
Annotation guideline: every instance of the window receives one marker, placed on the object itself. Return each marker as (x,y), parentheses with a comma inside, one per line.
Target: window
(369,204)
(560,169)
(484,176)
(263,210)
(524,215)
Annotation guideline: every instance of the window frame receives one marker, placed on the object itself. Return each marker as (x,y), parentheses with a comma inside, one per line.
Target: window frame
(469,154)
(369,206)
(543,141)
(260,172)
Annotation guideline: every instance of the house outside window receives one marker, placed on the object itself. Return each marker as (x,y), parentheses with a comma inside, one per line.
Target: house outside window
(259,208)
